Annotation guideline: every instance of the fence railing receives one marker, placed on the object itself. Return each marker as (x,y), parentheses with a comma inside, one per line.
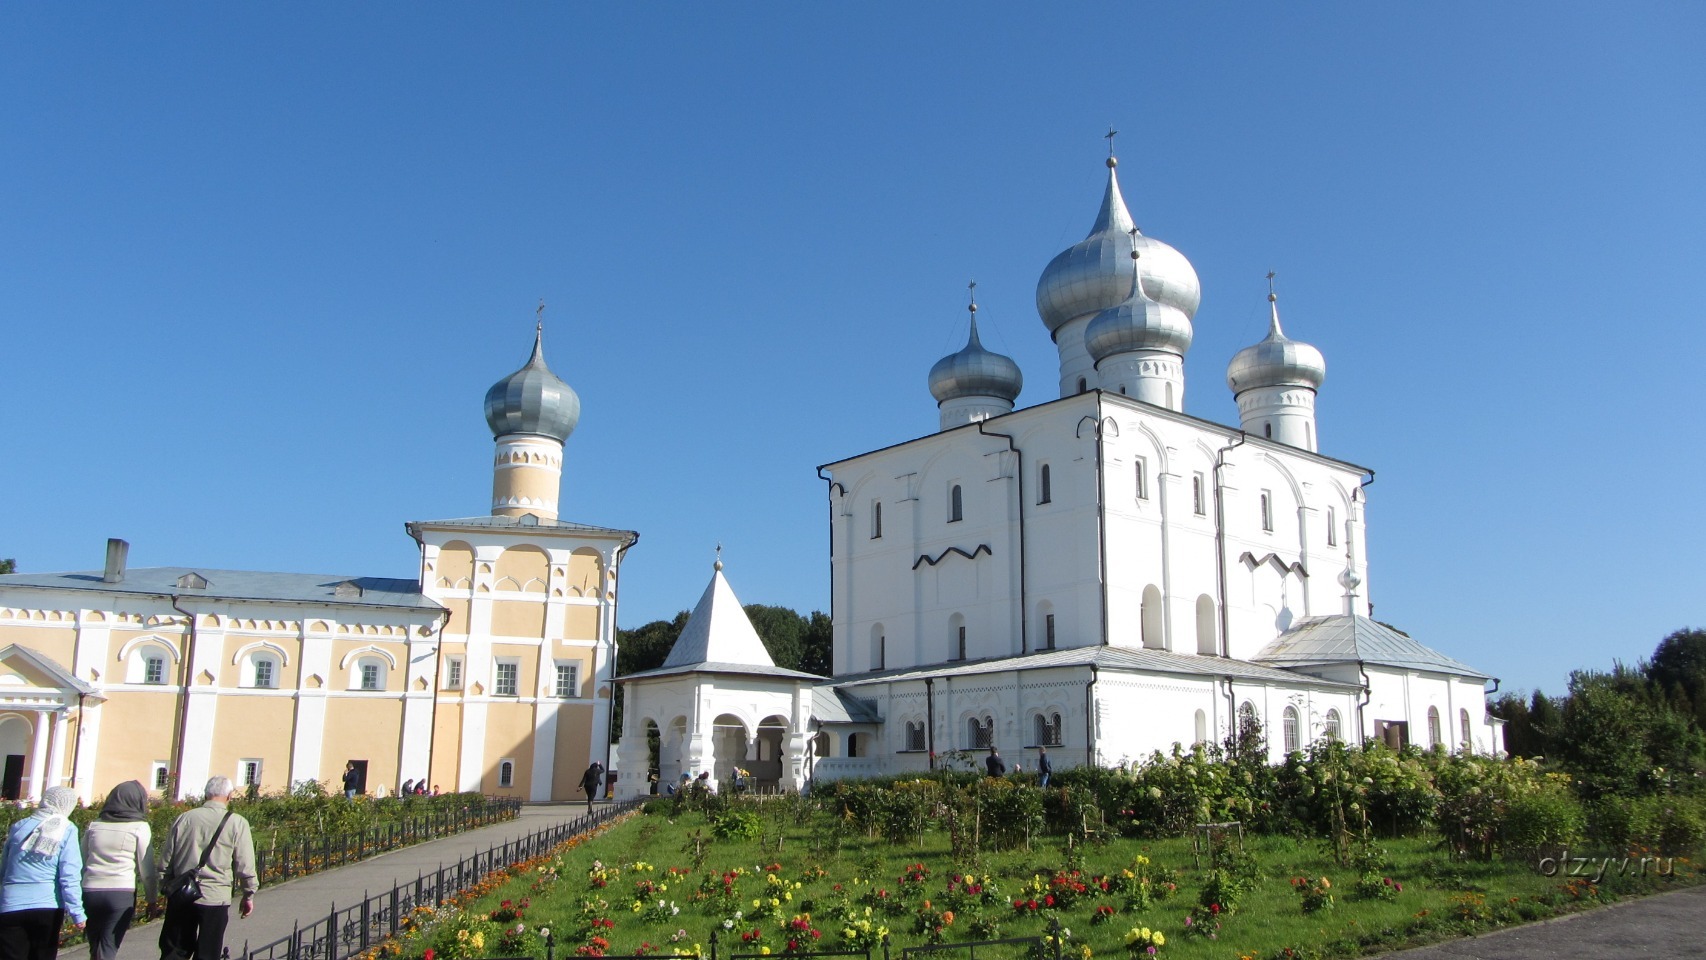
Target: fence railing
(353,929)
(278,862)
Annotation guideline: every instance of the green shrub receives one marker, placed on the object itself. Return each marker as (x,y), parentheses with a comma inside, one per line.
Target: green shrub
(1667,824)
(737,825)
(1547,817)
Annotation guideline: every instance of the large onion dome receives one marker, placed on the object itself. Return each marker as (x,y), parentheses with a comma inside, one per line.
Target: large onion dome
(533,400)
(975,372)
(1139,323)
(1278,361)
(1095,273)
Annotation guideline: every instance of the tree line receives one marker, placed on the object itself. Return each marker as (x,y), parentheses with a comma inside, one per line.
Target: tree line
(1623,732)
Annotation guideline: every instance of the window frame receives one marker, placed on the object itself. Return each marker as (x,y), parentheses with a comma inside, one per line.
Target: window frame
(1435,732)
(506,773)
(244,778)
(160,775)
(574,685)
(498,684)
(1266,505)
(270,662)
(956,503)
(1045,484)
(915,742)
(1048,631)
(1332,527)
(1333,725)
(1291,729)
(153,668)
(1463,721)
(1198,495)
(453,672)
(373,682)
(1046,729)
(876,519)
(1142,475)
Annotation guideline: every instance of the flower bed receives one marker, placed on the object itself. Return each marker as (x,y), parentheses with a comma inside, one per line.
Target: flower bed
(657,885)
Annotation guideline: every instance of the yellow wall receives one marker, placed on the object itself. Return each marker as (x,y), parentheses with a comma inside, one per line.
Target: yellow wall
(572,759)
(57,645)
(509,736)
(363,728)
(518,618)
(458,622)
(522,564)
(455,562)
(240,674)
(580,622)
(136,729)
(254,727)
(345,677)
(585,570)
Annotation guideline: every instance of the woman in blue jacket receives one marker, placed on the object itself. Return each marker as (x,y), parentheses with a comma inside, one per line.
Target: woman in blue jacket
(41,880)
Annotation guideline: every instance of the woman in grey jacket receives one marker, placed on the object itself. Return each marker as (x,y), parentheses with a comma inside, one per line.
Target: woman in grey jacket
(117,859)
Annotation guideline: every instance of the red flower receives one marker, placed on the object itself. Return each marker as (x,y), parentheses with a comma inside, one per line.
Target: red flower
(1214,908)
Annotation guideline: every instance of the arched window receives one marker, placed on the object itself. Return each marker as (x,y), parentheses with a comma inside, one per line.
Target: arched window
(1268,430)
(263,670)
(1434,737)
(1463,721)
(1207,629)
(1045,490)
(1249,725)
(1197,505)
(1083,385)
(852,744)
(879,648)
(956,505)
(1202,727)
(1150,619)
(1047,729)
(1332,527)
(506,773)
(957,637)
(1293,737)
(1332,726)
(876,520)
(147,660)
(914,735)
(1142,472)
(1048,631)
(369,674)
(1267,511)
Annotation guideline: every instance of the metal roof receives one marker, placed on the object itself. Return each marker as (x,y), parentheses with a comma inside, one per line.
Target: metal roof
(834,705)
(719,638)
(521,523)
(1103,658)
(237,585)
(1349,639)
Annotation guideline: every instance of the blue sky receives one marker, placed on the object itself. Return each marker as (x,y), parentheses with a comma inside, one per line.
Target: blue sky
(259,264)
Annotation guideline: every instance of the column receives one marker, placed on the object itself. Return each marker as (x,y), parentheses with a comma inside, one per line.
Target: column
(56,755)
(38,758)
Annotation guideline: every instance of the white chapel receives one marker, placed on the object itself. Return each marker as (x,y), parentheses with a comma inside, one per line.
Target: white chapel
(1101,575)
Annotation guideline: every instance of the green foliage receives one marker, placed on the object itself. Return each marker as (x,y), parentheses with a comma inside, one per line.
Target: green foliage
(8,565)
(737,825)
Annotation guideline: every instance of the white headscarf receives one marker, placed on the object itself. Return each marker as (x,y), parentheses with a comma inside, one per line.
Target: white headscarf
(45,839)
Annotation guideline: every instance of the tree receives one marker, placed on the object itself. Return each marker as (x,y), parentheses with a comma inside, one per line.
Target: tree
(816,645)
(781,629)
(1678,671)
(8,566)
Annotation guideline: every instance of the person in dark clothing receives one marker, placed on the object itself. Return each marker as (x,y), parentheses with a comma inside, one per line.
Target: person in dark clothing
(352,781)
(996,766)
(1043,767)
(590,782)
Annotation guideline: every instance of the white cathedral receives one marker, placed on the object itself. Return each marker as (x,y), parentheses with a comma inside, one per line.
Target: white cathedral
(1102,575)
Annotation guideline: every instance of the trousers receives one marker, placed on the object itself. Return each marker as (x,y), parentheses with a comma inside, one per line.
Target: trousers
(193,930)
(30,934)
(110,913)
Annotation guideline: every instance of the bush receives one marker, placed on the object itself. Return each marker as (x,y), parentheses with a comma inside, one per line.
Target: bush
(1667,824)
(737,825)
(1547,817)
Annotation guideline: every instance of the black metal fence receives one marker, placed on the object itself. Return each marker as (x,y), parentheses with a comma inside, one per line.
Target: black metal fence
(347,932)
(1034,948)
(276,863)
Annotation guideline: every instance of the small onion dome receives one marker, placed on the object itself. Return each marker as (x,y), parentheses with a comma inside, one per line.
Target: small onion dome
(533,400)
(1094,274)
(975,372)
(1137,324)
(1278,361)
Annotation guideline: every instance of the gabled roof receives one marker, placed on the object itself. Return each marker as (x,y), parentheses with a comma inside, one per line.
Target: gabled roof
(1342,638)
(719,638)
(53,671)
(237,585)
(835,705)
(1137,660)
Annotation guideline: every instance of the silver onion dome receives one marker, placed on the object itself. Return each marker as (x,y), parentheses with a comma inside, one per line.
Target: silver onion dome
(1278,361)
(1095,274)
(533,400)
(975,372)
(1139,323)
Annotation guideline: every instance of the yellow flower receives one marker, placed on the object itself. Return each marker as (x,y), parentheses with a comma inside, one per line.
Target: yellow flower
(1160,939)
(764,950)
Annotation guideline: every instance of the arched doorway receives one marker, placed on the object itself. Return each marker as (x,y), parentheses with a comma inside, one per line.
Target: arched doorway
(15,734)
(670,760)
(767,767)
(729,742)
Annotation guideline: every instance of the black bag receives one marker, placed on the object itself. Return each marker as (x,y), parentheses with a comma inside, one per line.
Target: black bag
(185,889)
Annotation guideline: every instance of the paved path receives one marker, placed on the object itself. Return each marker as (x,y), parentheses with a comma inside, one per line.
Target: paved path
(1663,927)
(280,906)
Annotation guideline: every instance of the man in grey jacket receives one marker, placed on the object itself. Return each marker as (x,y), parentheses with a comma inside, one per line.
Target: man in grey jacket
(195,927)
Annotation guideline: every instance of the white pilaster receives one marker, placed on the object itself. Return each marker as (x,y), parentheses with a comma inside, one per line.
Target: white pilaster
(56,753)
(544,767)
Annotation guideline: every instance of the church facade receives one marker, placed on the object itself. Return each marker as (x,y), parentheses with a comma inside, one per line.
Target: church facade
(491,672)
(1101,575)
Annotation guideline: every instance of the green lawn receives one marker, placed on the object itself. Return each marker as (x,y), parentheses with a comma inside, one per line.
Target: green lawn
(813,864)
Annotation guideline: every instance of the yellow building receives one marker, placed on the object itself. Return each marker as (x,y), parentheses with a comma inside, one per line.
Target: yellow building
(491,672)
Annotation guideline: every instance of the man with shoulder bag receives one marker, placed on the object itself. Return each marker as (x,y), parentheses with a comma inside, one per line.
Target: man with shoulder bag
(209,853)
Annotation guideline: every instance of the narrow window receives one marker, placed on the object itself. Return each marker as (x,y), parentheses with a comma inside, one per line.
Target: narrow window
(568,681)
(453,673)
(1040,736)
(852,744)
(506,773)
(1463,721)
(369,675)
(956,508)
(508,675)
(251,772)
(1048,632)
(876,520)
(1142,479)
(1083,385)
(1196,495)
(1332,725)
(160,775)
(263,672)
(879,652)
(1332,527)
(1292,734)
(153,669)
(1202,727)
(1268,430)
(1433,727)
(1045,492)
(961,643)
(1267,512)
(915,736)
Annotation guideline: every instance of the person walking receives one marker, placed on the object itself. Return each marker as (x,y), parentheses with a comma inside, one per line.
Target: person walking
(994,764)
(1043,767)
(118,860)
(590,781)
(41,880)
(209,852)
